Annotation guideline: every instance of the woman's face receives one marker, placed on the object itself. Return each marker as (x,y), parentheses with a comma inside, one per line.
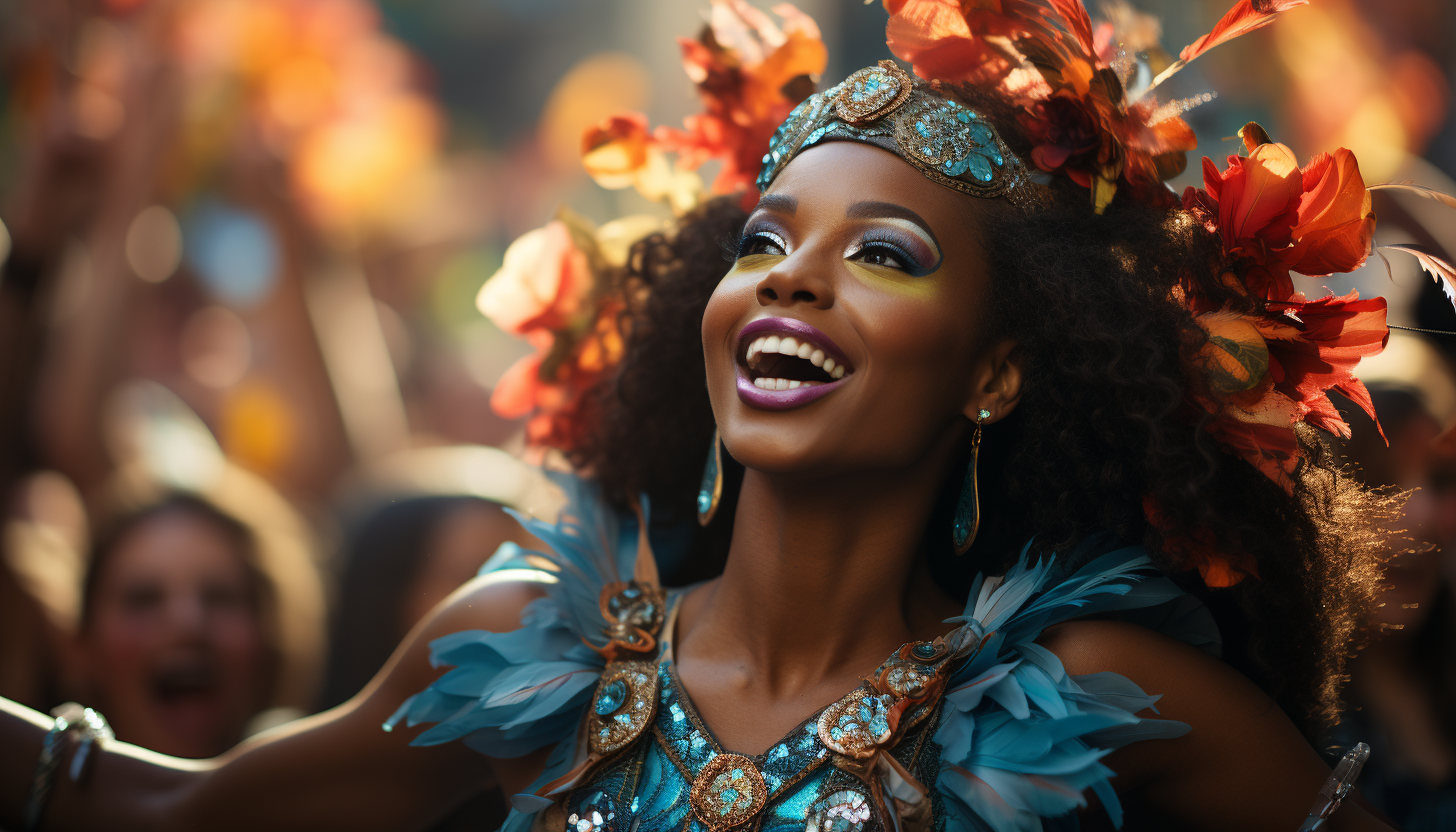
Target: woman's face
(175,648)
(850,333)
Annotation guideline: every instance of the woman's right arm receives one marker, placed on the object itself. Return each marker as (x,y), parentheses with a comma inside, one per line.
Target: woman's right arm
(334,770)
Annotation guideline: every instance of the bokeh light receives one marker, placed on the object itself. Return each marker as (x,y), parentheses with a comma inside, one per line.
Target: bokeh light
(234,252)
(4,243)
(216,347)
(154,244)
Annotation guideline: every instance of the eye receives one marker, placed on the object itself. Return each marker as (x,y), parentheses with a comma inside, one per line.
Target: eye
(762,242)
(884,254)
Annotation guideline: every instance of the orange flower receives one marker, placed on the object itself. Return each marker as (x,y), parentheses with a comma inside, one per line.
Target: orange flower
(750,73)
(614,151)
(1276,217)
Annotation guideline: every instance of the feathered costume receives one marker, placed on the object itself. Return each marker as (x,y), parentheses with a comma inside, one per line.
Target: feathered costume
(979,730)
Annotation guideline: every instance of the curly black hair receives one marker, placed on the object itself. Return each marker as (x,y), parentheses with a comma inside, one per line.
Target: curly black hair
(1092,302)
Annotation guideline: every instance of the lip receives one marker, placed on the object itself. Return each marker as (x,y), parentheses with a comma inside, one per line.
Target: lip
(798,396)
(790,326)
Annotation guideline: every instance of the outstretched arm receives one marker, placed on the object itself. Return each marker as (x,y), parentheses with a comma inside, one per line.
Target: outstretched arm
(1243,766)
(335,770)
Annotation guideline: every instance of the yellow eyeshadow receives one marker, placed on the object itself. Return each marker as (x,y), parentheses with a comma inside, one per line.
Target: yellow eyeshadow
(919,287)
(755,262)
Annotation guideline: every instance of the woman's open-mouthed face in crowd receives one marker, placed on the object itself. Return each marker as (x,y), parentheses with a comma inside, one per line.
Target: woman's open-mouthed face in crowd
(174,644)
(854,331)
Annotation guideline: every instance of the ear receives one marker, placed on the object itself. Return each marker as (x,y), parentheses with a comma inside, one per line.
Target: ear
(995,382)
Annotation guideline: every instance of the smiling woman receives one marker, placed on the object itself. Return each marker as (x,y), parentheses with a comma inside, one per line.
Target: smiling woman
(962,315)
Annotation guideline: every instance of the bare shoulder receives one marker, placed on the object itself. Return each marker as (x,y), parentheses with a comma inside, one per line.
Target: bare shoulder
(1240,741)
(1182,674)
(491,602)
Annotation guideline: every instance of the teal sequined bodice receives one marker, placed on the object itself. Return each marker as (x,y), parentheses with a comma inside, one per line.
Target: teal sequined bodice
(649,788)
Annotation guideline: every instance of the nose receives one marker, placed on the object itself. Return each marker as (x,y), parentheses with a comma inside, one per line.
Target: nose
(802,277)
(187,615)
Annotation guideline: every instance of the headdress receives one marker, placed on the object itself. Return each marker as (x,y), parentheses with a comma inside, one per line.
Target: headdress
(883,106)
(1088,100)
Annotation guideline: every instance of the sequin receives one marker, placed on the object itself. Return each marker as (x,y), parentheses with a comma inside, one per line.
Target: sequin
(883,106)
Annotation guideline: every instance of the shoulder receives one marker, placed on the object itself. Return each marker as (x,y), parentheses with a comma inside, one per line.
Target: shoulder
(493,602)
(1240,741)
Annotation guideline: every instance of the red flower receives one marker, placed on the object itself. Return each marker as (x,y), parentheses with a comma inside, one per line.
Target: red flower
(1261,373)
(1276,217)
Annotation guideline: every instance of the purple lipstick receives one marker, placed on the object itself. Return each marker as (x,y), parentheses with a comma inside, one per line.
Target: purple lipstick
(784,363)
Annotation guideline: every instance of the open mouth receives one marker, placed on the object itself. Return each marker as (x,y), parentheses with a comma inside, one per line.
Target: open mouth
(787,362)
(179,683)
(784,363)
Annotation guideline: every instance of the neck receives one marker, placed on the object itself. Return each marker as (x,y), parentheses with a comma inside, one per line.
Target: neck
(823,577)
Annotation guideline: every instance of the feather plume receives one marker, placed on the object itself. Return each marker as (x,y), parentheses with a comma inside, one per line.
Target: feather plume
(1243,18)
(1439,267)
(1429,193)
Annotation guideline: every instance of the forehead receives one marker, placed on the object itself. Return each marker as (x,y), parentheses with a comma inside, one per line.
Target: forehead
(176,545)
(843,172)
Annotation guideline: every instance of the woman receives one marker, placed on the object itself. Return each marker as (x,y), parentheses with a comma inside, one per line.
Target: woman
(173,634)
(914,276)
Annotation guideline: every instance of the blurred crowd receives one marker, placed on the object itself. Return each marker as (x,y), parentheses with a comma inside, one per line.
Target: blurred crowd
(246,440)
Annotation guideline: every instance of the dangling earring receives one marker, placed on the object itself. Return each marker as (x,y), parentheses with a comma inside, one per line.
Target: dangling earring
(710,490)
(968,510)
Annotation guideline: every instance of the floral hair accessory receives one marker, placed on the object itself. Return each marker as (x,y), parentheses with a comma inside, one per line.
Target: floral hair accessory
(1085,110)
(557,289)
(883,106)
(750,73)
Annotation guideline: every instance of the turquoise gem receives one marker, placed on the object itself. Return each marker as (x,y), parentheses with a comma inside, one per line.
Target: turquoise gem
(924,650)
(611,697)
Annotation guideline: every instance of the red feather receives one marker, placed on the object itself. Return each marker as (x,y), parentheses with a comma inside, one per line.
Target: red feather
(1243,18)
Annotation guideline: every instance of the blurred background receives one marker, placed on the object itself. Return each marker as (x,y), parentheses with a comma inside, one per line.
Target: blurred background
(245,431)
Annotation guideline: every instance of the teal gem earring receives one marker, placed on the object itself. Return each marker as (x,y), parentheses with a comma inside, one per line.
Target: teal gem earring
(968,510)
(710,490)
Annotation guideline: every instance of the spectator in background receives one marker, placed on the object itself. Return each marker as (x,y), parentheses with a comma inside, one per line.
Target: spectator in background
(174,638)
(1404,683)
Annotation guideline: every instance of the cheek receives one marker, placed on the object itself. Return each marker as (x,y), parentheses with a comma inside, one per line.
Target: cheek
(920,340)
(237,635)
(727,307)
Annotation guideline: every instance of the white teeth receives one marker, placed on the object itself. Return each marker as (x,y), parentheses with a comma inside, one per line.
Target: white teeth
(792,346)
(753,350)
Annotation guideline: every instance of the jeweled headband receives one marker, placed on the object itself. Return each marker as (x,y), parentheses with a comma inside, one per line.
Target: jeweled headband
(885,107)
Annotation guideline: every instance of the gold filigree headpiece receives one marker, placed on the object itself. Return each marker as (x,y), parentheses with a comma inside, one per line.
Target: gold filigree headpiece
(884,106)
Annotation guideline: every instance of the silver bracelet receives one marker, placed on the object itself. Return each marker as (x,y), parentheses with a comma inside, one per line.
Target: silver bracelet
(71,718)
(1332,794)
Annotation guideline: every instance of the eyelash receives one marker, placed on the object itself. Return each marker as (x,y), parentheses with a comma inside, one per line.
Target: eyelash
(908,263)
(750,240)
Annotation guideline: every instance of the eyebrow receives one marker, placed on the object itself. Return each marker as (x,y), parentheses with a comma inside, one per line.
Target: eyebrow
(872,210)
(778,203)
